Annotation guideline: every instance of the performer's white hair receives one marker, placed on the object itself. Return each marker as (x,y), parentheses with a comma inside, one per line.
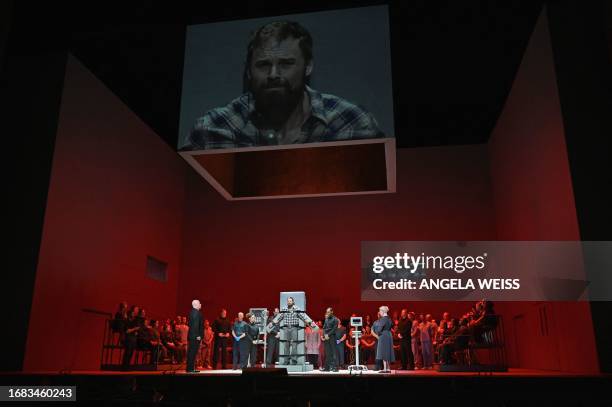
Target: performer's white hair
(384,309)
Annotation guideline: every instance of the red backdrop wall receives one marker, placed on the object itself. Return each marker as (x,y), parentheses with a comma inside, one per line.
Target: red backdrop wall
(115,196)
(242,254)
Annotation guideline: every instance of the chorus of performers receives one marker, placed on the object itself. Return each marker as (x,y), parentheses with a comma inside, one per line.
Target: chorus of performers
(394,339)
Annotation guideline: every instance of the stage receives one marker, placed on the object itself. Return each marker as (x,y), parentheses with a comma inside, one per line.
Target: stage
(521,387)
(180,371)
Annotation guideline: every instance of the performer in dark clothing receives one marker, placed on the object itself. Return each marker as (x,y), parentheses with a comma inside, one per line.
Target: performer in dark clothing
(367,345)
(147,340)
(222,330)
(457,341)
(194,336)
(119,323)
(403,327)
(330,327)
(382,331)
(131,337)
(485,322)
(340,343)
(272,339)
(252,335)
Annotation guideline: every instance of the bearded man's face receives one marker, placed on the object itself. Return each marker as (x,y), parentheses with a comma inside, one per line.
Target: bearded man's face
(278,73)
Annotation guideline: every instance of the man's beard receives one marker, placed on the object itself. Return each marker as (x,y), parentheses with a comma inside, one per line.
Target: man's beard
(275,101)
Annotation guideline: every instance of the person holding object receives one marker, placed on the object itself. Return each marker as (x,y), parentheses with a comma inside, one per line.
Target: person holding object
(382,331)
(240,348)
(330,327)
(194,336)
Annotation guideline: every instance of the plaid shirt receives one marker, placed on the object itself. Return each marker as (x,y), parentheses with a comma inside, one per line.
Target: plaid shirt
(331,119)
(291,318)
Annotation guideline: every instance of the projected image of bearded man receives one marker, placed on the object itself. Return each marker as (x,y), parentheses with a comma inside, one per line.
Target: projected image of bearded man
(279,107)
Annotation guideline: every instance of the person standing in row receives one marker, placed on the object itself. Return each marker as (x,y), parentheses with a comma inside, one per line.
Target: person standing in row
(415,333)
(131,336)
(367,344)
(330,326)
(382,331)
(207,345)
(240,348)
(404,327)
(272,339)
(340,340)
(194,335)
(221,328)
(426,328)
(313,343)
(252,335)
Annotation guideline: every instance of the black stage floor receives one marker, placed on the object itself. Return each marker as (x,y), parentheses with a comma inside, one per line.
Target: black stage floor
(517,387)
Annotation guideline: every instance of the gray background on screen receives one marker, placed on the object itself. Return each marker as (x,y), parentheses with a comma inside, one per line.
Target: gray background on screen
(352,60)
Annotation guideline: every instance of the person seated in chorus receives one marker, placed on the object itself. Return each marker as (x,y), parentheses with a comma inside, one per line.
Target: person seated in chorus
(457,341)
(167,340)
(486,322)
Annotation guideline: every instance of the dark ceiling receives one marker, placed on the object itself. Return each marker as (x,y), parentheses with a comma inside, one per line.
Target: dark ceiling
(453,61)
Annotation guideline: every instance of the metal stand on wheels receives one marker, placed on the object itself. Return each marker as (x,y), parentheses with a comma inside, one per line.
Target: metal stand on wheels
(356,322)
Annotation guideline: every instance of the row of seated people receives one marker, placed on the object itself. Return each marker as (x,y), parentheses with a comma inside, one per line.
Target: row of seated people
(164,341)
(420,341)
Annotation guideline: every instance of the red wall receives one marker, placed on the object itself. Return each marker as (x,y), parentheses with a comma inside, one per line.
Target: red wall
(534,200)
(115,196)
(242,254)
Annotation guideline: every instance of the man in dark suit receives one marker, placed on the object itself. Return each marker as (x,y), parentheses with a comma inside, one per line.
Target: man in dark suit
(194,336)
(222,330)
(404,327)
(330,326)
